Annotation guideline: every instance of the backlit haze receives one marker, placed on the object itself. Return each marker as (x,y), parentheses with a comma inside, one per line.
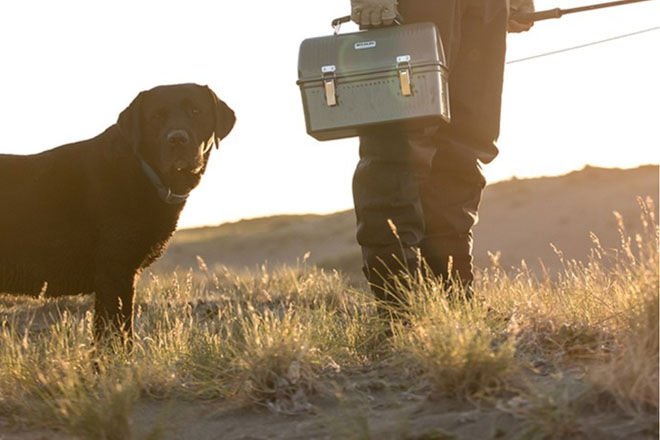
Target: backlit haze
(70,67)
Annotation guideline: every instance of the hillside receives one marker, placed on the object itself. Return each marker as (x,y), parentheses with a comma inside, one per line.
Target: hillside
(518,217)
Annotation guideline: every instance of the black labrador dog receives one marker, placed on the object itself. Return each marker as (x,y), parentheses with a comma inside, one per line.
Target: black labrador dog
(89,216)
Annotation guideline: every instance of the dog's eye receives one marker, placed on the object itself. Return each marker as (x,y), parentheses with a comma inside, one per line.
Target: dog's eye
(159,116)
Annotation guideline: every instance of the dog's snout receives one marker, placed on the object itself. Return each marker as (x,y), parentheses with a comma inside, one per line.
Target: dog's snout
(182,165)
(178,137)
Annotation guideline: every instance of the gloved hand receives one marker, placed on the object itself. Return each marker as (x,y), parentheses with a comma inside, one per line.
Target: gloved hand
(373,13)
(520,7)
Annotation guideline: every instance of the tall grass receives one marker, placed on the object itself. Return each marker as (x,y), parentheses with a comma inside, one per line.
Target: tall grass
(462,347)
(277,338)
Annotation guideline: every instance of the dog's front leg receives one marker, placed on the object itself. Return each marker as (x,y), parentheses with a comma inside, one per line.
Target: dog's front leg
(113,306)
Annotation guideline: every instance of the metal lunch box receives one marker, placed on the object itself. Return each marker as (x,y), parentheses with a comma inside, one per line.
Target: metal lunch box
(352,83)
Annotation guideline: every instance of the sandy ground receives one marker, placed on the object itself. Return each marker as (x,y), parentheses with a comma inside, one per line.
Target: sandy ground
(373,405)
(521,218)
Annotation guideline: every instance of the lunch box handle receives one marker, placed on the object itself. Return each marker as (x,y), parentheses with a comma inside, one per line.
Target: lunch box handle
(337,22)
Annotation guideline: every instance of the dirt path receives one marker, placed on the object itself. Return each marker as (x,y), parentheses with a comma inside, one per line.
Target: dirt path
(373,405)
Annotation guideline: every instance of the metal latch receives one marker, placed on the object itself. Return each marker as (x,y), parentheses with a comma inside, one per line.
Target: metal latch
(329,85)
(403,66)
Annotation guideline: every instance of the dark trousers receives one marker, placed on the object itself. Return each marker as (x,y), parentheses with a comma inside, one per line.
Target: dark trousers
(428,184)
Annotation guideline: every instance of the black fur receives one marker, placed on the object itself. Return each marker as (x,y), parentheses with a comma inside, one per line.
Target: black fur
(85,218)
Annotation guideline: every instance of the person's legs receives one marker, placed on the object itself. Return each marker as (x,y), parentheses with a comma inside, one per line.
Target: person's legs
(432,202)
(452,192)
(386,191)
(450,199)
(387,181)
(475,84)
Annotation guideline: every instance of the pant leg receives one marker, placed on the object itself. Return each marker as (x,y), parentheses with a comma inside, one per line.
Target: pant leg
(452,192)
(476,76)
(392,168)
(387,191)
(450,200)
(393,164)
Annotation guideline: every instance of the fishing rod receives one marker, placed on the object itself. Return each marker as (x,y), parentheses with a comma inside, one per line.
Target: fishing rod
(558,13)
(527,17)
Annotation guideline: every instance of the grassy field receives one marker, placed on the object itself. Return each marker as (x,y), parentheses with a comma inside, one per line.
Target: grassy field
(298,352)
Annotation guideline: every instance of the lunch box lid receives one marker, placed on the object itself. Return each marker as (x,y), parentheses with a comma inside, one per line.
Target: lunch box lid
(369,52)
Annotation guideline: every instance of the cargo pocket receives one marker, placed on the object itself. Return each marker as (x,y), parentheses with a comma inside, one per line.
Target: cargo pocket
(386,191)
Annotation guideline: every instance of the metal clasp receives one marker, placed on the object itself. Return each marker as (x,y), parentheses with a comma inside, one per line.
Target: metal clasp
(403,66)
(329,84)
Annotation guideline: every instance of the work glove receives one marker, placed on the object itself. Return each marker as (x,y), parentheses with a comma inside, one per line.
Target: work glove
(520,7)
(373,13)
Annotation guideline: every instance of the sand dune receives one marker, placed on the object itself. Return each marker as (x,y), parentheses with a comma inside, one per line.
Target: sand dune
(520,218)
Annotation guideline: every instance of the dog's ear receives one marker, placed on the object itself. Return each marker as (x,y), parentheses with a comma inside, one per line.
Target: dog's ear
(224,118)
(129,121)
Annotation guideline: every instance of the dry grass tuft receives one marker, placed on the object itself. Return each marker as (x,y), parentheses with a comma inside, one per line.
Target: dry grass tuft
(462,347)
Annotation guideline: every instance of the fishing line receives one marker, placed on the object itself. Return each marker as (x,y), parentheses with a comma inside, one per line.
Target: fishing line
(593,43)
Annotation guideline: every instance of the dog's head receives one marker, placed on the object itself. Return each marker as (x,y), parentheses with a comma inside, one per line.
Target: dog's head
(174,129)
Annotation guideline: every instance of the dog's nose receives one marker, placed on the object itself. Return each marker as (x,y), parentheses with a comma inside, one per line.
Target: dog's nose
(178,137)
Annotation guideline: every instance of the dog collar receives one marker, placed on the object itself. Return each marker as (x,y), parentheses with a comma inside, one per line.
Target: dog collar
(165,193)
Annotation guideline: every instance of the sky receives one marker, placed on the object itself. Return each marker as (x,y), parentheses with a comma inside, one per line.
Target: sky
(69,67)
